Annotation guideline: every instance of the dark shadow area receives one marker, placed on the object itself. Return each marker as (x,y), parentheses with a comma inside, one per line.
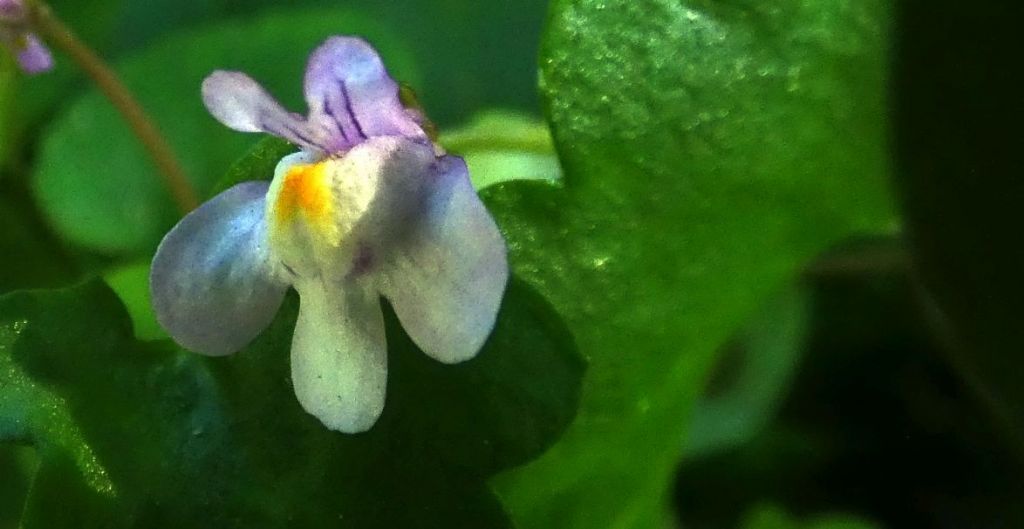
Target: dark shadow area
(876,423)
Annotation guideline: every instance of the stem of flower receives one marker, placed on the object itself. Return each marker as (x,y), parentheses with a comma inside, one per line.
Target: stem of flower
(58,34)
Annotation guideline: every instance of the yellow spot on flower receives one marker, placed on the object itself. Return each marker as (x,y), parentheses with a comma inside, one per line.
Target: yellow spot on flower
(306,191)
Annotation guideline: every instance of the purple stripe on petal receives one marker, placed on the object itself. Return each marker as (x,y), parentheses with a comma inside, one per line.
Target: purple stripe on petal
(447,279)
(34,58)
(211,281)
(351,97)
(239,102)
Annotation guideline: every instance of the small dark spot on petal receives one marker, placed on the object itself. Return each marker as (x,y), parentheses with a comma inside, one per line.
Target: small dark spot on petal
(363,260)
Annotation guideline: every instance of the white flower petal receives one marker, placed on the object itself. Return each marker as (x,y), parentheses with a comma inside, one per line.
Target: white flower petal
(339,355)
(447,278)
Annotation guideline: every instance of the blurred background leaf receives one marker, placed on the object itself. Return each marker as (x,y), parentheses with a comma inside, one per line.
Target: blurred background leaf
(131,284)
(500,146)
(473,55)
(32,256)
(752,374)
(710,151)
(42,97)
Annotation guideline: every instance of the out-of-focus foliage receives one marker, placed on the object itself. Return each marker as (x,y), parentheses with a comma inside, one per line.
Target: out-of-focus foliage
(709,152)
(753,374)
(501,146)
(45,96)
(471,55)
(162,437)
(131,284)
(30,258)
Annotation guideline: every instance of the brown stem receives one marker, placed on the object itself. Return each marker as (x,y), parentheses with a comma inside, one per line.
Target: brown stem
(57,33)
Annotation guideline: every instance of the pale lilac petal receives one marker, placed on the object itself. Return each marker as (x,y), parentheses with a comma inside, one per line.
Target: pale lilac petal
(239,102)
(339,355)
(34,57)
(212,283)
(447,279)
(351,97)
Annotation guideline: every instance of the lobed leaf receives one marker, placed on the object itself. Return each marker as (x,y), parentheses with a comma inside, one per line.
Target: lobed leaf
(710,150)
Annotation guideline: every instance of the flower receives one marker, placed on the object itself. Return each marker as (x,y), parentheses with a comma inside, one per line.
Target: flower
(370,207)
(32,55)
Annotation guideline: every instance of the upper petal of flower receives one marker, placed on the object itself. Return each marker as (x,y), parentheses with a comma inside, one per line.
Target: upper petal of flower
(339,355)
(351,96)
(239,102)
(213,287)
(446,279)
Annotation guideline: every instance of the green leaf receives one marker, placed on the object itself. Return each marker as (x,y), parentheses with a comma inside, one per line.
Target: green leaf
(189,441)
(710,151)
(94,181)
(753,376)
(31,411)
(501,146)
